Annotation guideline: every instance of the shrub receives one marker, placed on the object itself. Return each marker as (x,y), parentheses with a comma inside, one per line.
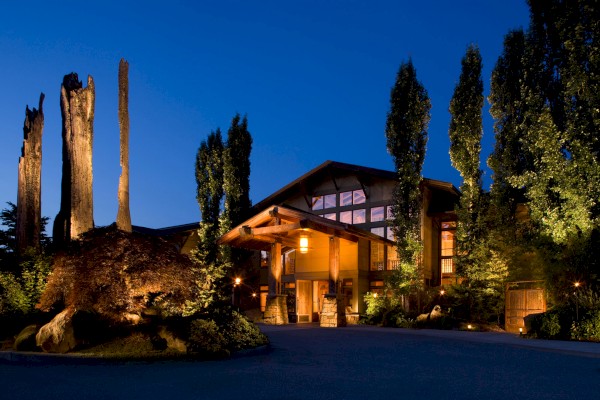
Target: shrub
(375,308)
(207,338)
(549,325)
(241,333)
(588,328)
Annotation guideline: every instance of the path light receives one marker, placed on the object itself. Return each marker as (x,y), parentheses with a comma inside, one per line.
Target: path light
(520,331)
(576,284)
(303,244)
(469,327)
(253,294)
(442,292)
(375,295)
(238,281)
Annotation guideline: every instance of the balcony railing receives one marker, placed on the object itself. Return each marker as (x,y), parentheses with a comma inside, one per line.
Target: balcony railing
(381,265)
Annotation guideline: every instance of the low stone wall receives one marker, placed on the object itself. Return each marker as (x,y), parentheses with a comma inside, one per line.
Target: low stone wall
(352,318)
(276,310)
(333,314)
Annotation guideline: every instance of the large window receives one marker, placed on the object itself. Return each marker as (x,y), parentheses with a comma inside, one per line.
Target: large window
(289,262)
(331,216)
(447,247)
(317,203)
(379,231)
(377,256)
(352,197)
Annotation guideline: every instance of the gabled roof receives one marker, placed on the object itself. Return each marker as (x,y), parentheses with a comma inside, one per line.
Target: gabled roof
(329,169)
(285,225)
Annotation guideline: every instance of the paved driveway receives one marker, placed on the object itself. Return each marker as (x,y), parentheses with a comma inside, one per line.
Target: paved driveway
(307,362)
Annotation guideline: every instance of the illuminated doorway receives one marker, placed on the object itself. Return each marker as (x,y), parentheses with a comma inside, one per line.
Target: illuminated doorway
(309,299)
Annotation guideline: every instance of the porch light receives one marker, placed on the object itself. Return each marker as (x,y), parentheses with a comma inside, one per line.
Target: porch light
(303,244)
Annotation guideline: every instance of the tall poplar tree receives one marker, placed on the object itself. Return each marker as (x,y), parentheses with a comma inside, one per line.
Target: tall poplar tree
(406,132)
(466,130)
(236,182)
(211,270)
(484,271)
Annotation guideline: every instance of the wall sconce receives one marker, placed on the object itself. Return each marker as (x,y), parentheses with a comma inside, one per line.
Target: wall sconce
(303,244)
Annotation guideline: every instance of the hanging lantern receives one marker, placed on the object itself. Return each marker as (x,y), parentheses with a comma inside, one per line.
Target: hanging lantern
(303,244)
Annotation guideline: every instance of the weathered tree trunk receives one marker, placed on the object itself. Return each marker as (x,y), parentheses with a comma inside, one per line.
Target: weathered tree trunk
(76,214)
(123,213)
(29,190)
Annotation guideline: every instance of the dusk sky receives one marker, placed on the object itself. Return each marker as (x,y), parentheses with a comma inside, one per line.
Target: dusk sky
(313,78)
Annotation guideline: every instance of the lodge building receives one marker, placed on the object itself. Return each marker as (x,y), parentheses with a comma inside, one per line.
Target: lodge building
(325,241)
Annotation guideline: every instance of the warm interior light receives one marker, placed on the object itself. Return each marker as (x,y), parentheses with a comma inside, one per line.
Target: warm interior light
(303,244)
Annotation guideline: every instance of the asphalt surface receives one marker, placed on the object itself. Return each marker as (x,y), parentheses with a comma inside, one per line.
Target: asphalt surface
(308,362)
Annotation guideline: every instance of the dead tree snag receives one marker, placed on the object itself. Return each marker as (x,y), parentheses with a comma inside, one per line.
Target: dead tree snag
(76,215)
(123,213)
(29,190)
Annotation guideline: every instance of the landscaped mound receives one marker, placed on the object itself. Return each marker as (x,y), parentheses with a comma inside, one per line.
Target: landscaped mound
(120,276)
(113,278)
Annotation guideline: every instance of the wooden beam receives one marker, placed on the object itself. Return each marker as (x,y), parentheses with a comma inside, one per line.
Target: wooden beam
(270,230)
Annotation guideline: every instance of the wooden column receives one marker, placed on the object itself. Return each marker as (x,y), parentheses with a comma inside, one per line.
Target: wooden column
(275,270)
(29,188)
(334,263)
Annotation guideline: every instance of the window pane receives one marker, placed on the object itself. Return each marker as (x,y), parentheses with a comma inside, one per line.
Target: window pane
(449,225)
(447,243)
(346,217)
(390,213)
(390,234)
(380,231)
(358,197)
(345,198)
(329,201)
(377,214)
(330,216)
(359,216)
(317,203)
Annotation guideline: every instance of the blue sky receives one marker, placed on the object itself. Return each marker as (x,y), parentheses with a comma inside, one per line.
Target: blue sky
(313,77)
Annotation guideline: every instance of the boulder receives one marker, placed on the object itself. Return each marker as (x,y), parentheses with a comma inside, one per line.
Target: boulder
(25,340)
(58,335)
(435,313)
(173,342)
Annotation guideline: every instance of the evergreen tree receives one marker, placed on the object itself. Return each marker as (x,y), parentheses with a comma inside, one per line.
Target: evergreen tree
(406,132)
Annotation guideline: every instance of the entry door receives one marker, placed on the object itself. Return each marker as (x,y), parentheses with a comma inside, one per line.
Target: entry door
(320,289)
(304,301)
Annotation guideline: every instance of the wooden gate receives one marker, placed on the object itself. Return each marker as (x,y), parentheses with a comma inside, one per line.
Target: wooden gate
(522,300)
